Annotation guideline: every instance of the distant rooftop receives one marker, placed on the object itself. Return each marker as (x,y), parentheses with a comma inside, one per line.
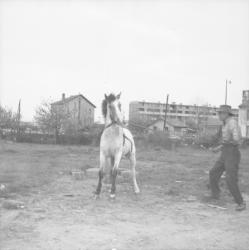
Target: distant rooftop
(70,98)
(172,122)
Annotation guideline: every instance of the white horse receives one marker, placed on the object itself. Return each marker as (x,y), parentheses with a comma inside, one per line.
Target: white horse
(116,141)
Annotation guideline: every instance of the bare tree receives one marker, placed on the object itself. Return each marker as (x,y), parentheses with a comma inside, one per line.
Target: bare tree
(53,120)
(8,118)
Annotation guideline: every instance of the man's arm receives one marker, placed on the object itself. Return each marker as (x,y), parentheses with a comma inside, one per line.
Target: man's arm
(236,133)
(217,149)
(217,137)
(217,141)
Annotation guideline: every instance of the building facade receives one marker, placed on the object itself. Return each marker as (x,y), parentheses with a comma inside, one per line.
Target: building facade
(147,112)
(244,114)
(79,109)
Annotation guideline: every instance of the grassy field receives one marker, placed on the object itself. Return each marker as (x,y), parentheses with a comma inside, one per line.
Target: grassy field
(43,206)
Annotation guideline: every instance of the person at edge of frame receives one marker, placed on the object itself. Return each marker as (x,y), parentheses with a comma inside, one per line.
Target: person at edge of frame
(230,138)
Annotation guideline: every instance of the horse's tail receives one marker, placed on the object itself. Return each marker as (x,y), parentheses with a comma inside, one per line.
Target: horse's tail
(128,139)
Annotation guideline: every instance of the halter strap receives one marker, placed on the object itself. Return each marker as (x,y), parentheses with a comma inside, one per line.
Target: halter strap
(109,125)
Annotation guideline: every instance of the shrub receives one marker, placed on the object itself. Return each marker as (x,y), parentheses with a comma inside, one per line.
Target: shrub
(35,138)
(73,139)
(205,140)
(160,138)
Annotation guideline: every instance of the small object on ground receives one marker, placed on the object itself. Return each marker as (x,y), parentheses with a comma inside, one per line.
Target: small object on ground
(179,181)
(241,207)
(215,206)
(78,175)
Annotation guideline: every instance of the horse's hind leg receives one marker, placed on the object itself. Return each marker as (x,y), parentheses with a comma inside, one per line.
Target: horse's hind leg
(101,174)
(111,167)
(117,159)
(133,165)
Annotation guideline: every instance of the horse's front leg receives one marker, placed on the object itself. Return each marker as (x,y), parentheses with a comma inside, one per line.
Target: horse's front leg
(117,159)
(103,161)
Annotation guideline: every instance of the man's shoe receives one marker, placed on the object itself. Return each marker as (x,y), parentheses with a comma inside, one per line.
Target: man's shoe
(241,207)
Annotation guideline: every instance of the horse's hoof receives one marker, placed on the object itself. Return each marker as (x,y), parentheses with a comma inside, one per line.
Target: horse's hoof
(96,196)
(112,197)
(137,192)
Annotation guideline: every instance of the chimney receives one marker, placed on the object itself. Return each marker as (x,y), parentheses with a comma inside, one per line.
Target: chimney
(63,96)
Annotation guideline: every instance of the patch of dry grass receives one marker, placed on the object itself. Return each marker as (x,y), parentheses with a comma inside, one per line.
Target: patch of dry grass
(25,168)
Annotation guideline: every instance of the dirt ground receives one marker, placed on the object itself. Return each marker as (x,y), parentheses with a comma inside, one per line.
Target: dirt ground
(44,206)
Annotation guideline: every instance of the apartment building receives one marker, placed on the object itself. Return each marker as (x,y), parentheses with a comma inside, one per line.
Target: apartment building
(142,112)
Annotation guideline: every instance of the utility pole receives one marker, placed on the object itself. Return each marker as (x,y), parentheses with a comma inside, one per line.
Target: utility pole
(166,110)
(197,120)
(226,90)
(18,119)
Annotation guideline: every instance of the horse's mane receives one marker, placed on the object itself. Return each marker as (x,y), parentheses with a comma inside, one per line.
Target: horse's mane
(108,99)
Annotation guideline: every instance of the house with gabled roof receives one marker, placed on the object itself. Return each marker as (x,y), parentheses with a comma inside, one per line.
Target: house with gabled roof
(174,127)
(79,109)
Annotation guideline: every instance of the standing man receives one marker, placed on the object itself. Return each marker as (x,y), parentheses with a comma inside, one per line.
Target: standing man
(229,159)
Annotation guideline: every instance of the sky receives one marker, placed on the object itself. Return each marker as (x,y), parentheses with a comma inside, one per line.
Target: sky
(144,49)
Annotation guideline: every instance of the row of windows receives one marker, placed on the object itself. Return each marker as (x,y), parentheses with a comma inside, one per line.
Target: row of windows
(160,104)
(153,110)
(174,106)
(154,118)
(176,111)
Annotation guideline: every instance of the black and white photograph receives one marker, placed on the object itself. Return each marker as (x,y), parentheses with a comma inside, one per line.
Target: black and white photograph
(124,124)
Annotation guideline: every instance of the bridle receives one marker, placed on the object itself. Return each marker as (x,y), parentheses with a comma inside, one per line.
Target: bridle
(114,123)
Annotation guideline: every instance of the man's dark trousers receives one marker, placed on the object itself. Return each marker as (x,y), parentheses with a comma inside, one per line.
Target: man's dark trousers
(229,162)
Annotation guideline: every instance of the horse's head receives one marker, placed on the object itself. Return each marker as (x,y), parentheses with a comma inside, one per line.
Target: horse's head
(111,107)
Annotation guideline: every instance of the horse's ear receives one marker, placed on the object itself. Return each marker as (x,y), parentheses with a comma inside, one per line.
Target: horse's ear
(105,96)
(118,96)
